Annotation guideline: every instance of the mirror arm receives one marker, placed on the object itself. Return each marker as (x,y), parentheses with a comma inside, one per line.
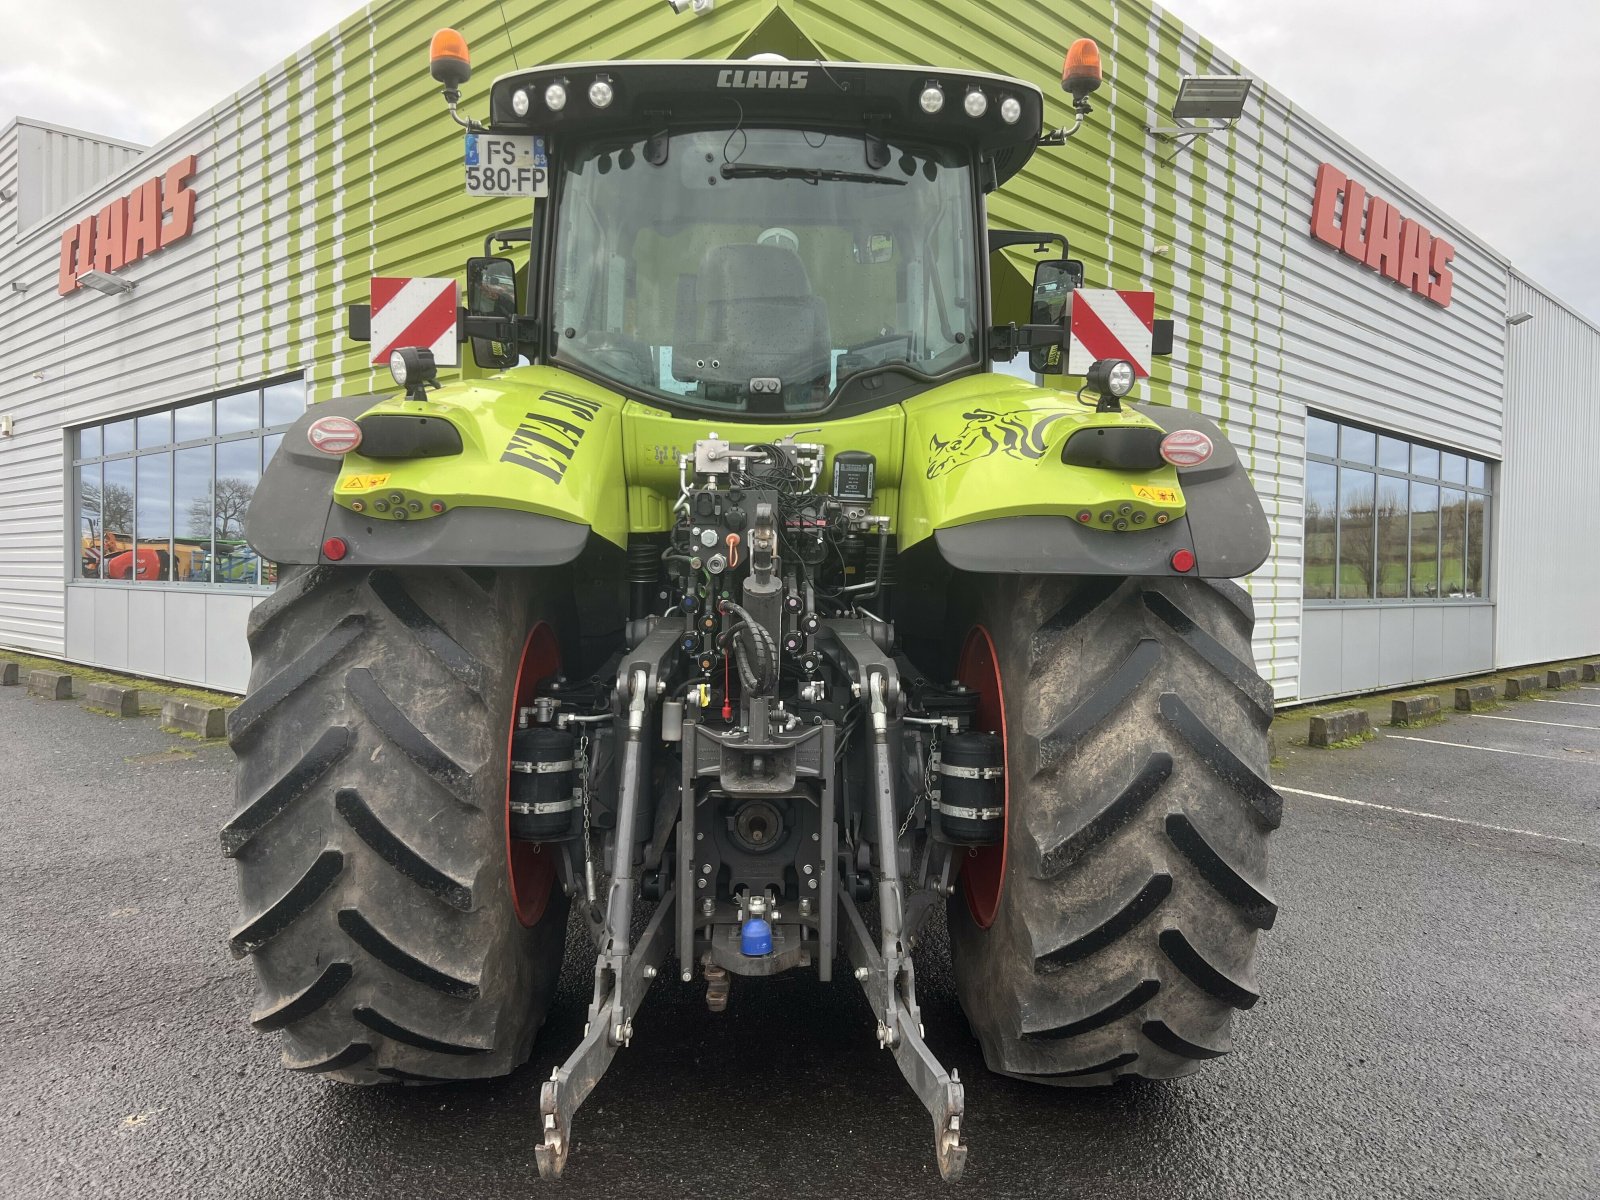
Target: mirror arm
(1006,341)
(480,325)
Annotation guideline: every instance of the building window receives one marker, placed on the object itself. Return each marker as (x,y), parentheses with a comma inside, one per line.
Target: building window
(1392,519)
(161,496)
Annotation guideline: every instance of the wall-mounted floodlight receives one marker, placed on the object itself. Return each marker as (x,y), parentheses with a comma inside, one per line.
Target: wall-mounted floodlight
(1211,97)
(1204,98)
(106,284)
(1517,318)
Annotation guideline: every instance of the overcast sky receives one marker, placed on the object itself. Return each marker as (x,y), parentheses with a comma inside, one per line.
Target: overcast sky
(1487,109)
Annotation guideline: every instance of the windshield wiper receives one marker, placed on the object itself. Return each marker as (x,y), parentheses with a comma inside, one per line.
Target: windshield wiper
(811,175)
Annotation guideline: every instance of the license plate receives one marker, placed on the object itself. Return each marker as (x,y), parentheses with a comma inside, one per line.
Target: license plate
(503,165)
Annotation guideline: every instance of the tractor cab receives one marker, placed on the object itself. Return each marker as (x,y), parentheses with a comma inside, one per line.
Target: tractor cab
(765,238)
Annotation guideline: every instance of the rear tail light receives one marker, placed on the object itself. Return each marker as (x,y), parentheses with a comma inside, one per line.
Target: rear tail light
(1186,448)
(334,435)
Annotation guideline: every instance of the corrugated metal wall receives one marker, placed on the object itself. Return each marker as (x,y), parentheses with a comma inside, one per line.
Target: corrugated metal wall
(340,164)
(1548,519)
(55,166)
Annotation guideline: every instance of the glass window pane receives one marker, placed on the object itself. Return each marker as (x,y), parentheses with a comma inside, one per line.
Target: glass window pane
(1321,508)
(1455,469)
(1425,461)
(1394,454)
(91,550)
(116,519)
(1453,542)
(239,413)
(1358,445)
(283,402)
(193,421)
(192,507)
(1394,520)
(1424,541)
(155,429)
(1477,474)
(152,519)
(1322,437)
(238,472)
(119,437)
(1477,547)
(89,442)
(1355,534)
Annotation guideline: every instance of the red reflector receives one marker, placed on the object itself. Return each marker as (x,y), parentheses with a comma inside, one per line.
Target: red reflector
(333,435)
(1183,561)
(1186,448)
(335,549)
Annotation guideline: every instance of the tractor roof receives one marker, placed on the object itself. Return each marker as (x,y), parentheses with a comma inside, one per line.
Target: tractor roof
(649,95)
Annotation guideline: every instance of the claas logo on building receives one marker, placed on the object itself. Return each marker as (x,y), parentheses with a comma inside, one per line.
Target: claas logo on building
(155,214)
(1372,231)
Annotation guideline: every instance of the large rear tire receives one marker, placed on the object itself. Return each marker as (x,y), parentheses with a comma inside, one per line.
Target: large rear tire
(371,839)
(1119,936)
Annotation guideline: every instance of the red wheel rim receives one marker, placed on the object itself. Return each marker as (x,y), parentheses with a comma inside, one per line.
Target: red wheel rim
(983,869)
(531,872)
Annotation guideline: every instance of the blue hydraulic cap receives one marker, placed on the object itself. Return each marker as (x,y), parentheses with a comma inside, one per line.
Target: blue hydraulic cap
(755,939)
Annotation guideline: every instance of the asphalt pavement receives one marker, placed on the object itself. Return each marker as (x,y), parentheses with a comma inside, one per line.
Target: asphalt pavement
(1430,1024)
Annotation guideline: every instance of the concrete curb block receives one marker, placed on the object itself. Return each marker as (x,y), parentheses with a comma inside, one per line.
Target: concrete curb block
(189,716)
(52,685)
(1591,672)
(1412,710)
(8,674)
(1469,698)
(113,700)
(1518,686)
(1564,677)
(1339,726)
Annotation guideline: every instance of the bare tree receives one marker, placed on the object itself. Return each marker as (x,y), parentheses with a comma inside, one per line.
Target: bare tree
(108,512)
(223,513)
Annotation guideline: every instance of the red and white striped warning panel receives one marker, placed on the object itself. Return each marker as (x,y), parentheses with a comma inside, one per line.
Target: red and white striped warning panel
(1107,323)
(414,312)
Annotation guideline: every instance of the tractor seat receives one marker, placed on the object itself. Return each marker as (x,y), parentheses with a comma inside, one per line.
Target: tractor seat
(757,318)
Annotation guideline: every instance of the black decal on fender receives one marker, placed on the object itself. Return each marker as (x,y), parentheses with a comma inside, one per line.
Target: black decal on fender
(1018,434)
(545,441)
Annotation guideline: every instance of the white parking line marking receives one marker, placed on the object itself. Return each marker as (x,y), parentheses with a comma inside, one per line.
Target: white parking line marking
(1411,812)
(1467,746)
(1525,721)
(1579,703)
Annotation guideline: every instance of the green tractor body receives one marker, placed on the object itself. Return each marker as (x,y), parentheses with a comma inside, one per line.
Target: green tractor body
(739,594)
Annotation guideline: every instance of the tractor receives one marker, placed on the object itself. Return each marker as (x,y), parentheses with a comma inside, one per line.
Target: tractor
(760,598)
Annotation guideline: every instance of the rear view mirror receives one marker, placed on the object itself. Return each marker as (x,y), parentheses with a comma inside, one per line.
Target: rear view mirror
(874,248)
(1053,282)
(492,292)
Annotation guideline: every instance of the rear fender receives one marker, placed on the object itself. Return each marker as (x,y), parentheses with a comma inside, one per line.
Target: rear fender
(539,470)
(993,493)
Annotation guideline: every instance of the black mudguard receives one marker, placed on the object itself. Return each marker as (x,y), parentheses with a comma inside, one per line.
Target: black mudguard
(292,514)
(1223,525)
